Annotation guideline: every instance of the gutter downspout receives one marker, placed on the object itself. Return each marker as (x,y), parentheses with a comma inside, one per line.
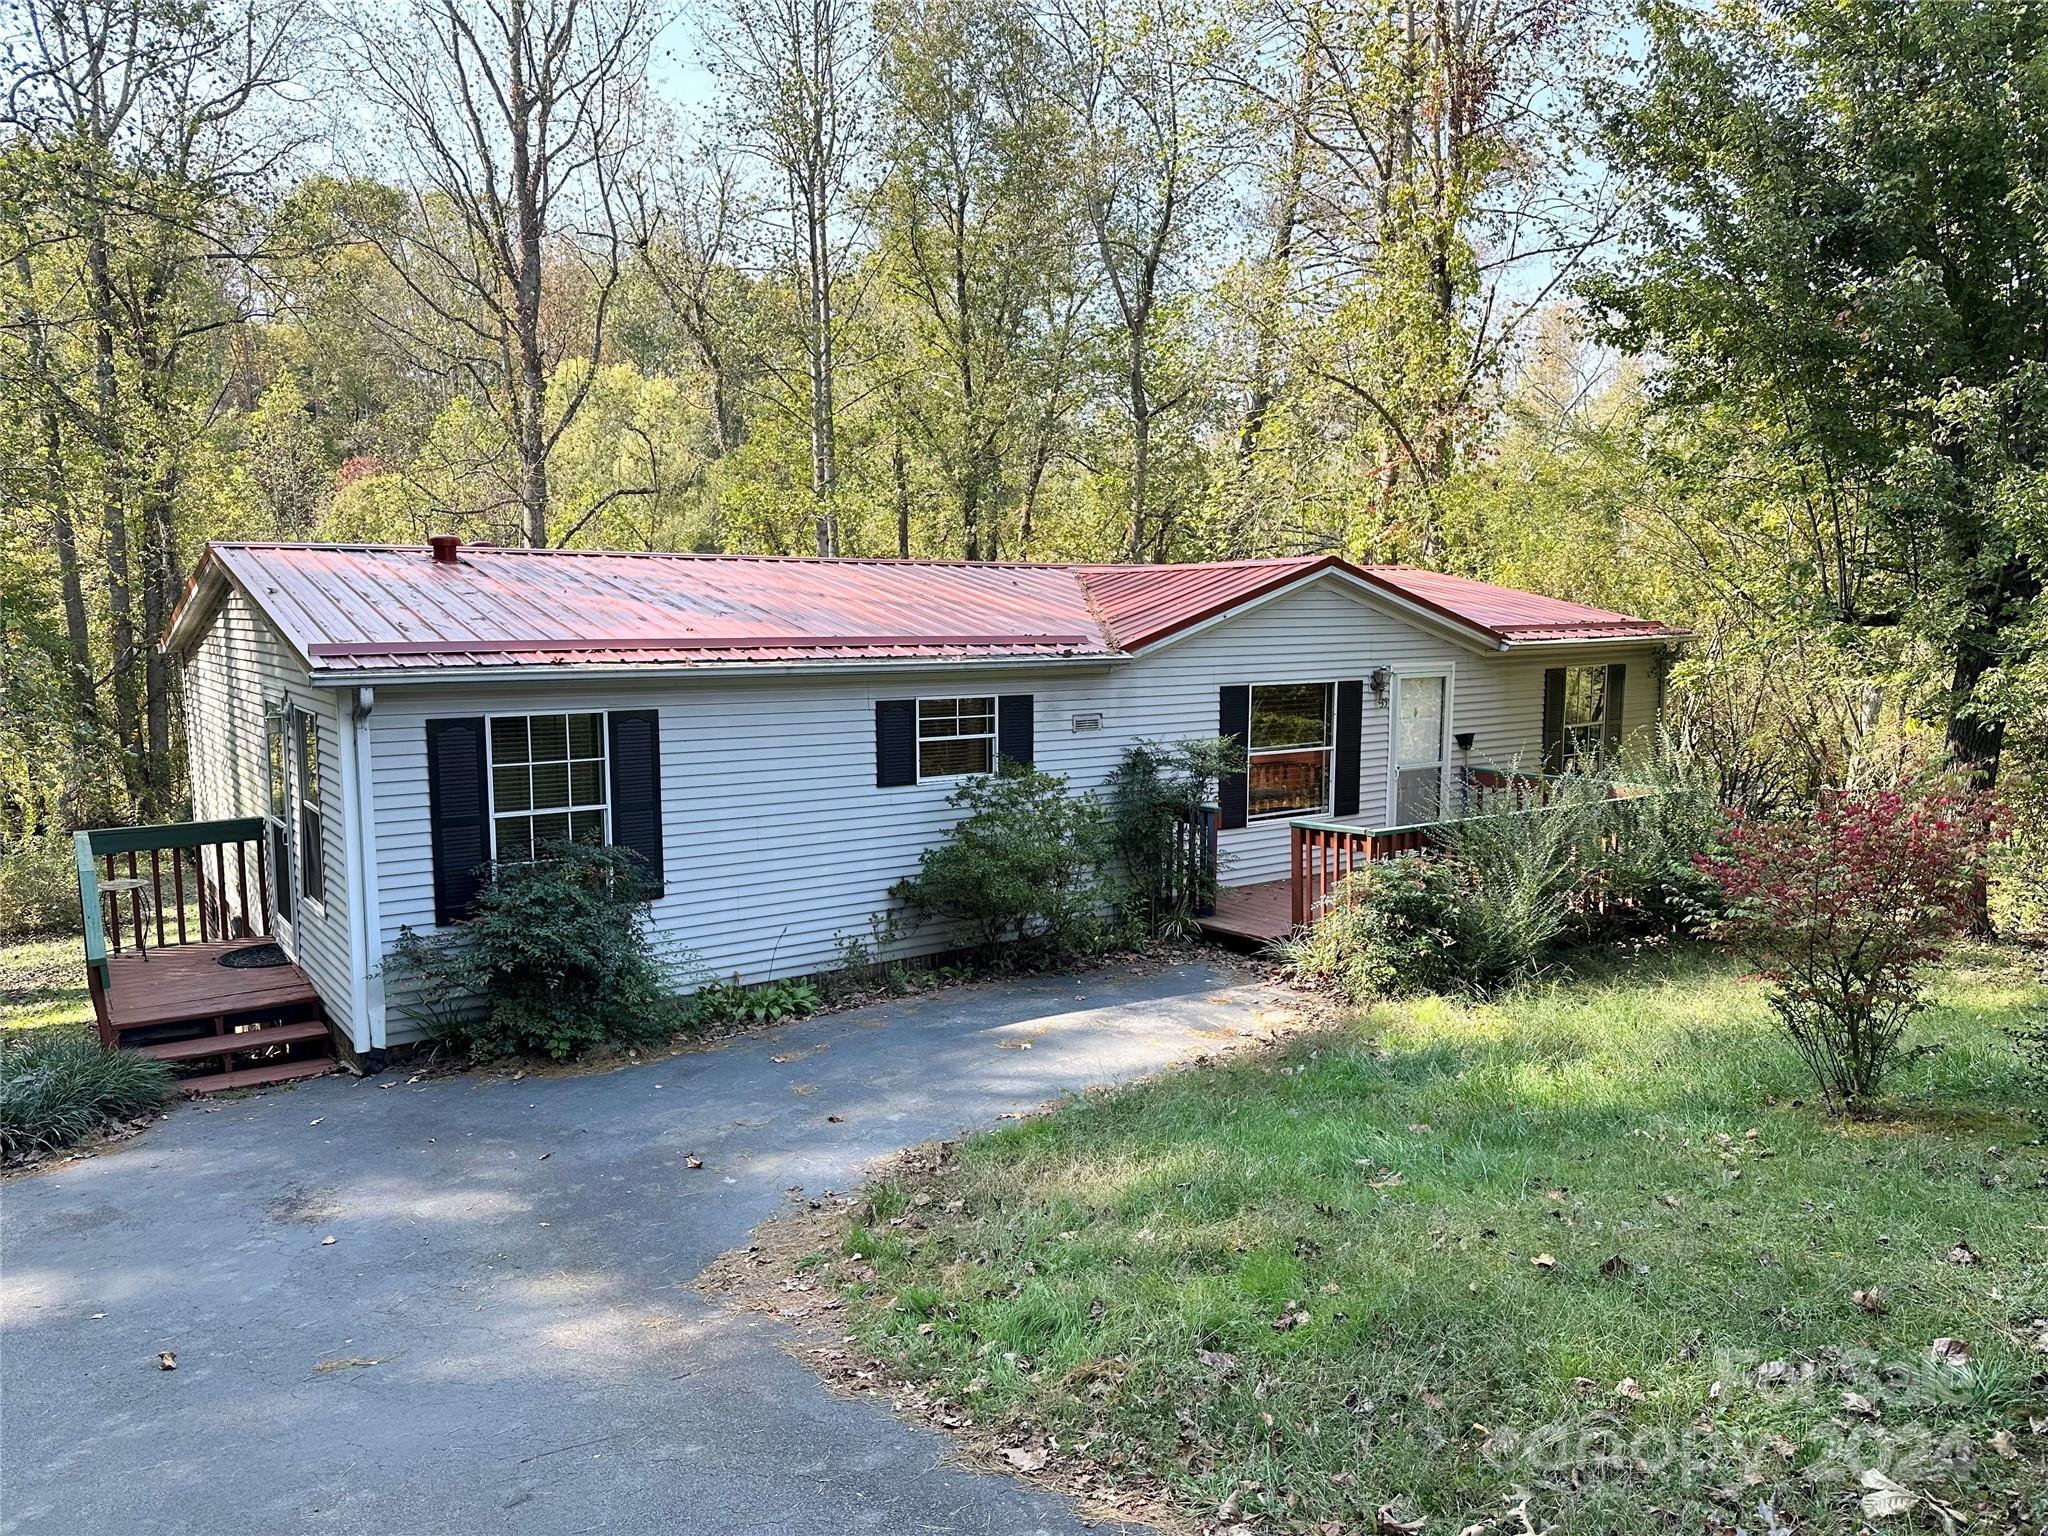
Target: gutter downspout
(366,982)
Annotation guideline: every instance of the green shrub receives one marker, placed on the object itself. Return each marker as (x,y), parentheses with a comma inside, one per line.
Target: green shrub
(58,1087)
(1392,928)
(1522,868)
(39,886)
(731,1002)
(1504,893)
(2030,1044)
(1155,793)
(1021,871)
(1644,871)
(557,961)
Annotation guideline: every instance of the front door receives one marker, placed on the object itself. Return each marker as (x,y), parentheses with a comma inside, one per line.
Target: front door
(1421,708)
(279,820)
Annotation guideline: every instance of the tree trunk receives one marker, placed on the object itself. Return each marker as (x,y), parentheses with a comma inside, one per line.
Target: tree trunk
(114,506)
(899,465)
(1141,448)
(160,584)
(63,530)
(824,457)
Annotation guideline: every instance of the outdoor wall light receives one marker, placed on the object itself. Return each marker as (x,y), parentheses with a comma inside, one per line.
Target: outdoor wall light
(1464,739)
(1382,679)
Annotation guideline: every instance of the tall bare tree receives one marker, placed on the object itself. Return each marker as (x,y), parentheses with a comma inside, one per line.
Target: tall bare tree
(145,143)
(1139,86)
(687,218)
(796,84)
(978,222)
(511,123)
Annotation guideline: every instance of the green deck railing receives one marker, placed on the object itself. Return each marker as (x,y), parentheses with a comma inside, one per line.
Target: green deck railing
(187,890)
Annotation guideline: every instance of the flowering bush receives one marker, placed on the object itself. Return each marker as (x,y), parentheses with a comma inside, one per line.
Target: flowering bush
(1841,910)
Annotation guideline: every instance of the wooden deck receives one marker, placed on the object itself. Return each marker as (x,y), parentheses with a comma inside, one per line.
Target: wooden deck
(187,983)
(1252,914)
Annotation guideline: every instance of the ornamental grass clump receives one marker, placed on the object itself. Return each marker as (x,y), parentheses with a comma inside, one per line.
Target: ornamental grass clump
(1842,909)
(57,1087)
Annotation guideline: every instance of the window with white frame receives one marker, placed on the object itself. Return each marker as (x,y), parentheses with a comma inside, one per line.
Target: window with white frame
(1288,773)
(1585,713)
(548,783)
(955,737)
(312,816)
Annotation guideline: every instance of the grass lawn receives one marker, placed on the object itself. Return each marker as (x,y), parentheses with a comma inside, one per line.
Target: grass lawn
(1583,1244)
(42,983)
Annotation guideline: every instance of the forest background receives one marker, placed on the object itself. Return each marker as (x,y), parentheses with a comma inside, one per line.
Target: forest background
(1730,314)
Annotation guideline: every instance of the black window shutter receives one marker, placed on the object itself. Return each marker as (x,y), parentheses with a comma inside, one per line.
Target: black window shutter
(1234,720)
(1553,720)
(636,791)
(1014,728)
(895,742)
(1617,679)
(457,808)
(1350,722)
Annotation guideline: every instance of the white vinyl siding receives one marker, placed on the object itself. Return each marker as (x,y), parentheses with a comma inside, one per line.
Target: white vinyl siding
(237,668)
(1499,699)
(778,844)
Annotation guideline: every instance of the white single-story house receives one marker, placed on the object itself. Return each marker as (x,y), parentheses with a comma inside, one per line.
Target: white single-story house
(777,737)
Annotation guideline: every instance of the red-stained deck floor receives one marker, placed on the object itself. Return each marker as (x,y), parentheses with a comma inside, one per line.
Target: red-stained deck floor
(187,983)
(1257,914)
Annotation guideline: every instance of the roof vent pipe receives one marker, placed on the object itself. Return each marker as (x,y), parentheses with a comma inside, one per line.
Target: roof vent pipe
(444,546)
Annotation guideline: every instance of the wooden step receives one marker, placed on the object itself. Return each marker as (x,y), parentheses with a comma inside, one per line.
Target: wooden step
(200,1048)
(256,1077)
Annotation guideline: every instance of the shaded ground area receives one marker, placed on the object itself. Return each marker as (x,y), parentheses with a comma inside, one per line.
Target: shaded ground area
(502,1335)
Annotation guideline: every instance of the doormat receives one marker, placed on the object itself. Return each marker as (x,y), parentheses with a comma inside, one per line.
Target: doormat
(256,957)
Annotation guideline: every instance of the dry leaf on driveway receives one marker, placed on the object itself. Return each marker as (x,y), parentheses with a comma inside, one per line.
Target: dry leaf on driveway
(167,1361)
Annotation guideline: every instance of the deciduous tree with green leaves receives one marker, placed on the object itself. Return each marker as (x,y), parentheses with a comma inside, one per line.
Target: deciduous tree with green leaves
(1840,262)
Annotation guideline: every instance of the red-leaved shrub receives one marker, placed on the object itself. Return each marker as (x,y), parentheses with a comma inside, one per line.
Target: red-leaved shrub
(1842,908)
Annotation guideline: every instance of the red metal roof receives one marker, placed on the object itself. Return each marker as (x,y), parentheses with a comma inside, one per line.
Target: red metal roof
(361,608)
(1511,615)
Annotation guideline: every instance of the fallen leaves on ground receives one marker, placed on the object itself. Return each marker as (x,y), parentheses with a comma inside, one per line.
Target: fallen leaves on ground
(1027,1458)
(167,1361)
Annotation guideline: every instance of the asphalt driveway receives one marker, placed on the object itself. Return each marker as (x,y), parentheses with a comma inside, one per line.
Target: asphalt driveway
(501,1335)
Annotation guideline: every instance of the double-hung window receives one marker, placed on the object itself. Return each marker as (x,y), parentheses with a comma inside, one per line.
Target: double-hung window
(1585,714)
(1289,769)
(312,817)
(548,783)
(955,737)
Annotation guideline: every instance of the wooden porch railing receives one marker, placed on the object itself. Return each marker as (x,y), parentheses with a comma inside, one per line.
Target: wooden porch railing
(203,881)
(1192,862)
(1323,852)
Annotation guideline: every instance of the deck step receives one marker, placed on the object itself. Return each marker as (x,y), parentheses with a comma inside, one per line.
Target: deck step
(256,1077)
(248,1040)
